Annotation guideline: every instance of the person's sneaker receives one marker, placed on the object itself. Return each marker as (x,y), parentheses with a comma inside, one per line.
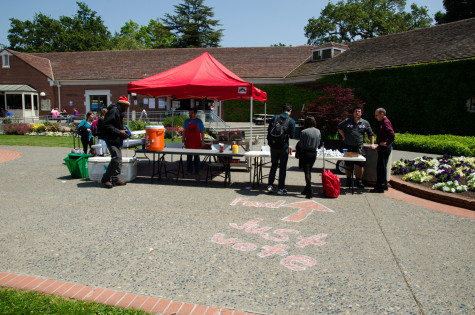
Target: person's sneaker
(282,192)
(270,189)
(359,183)
(107,184)
(120,182)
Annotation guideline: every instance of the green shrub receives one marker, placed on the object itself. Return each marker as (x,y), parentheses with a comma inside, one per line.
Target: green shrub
(17,129)
(437,144)
(178,121)
(135,125)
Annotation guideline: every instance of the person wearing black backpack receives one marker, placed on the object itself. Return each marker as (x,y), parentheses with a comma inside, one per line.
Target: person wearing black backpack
(281,129)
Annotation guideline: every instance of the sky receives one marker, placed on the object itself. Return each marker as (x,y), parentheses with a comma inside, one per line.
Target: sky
(246,23)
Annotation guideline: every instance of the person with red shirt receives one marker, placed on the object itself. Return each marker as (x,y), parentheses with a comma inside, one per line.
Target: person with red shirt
(384,140)
(193,138)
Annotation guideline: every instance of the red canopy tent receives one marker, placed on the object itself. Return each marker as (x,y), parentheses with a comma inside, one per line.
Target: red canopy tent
(201,78)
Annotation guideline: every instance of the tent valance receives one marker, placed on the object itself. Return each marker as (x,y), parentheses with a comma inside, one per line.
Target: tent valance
(200,78)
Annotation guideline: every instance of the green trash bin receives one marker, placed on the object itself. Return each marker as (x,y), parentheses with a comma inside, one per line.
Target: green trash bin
(77,164)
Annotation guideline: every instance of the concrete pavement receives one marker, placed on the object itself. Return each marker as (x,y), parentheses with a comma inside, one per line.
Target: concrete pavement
(233,248)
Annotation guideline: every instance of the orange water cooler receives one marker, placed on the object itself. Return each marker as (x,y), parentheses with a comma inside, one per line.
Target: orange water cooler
(154,138)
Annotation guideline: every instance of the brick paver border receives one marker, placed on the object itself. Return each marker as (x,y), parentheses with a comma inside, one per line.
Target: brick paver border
(145,303)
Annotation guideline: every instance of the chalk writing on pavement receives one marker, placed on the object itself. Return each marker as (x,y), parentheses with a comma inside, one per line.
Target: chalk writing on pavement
(285,240)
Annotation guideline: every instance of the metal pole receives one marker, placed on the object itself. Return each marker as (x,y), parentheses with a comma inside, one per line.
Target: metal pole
(250,136)
(173,109)
(265,120)
(128,128)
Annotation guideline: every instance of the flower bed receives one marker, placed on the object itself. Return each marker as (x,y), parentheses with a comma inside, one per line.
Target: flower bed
(44,129)
(448,174)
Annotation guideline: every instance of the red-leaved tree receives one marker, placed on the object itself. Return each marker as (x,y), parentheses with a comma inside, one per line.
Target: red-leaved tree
(332,107)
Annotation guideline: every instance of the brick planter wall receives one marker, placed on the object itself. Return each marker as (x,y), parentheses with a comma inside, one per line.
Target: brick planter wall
(434,195)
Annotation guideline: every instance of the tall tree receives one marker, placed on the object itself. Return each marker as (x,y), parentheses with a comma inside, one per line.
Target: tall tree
(84,31)
(193,25)
(351,20)
(39,35)
(456,10)
(133,36)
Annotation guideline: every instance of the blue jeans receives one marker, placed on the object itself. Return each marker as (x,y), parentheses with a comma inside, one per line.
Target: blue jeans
(279,158)
(189,163)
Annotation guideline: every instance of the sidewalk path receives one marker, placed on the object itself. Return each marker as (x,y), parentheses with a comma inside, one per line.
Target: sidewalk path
(230,248)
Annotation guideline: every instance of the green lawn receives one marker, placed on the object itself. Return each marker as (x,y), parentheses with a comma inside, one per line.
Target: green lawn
(40,141)
(31,302)
(43,141)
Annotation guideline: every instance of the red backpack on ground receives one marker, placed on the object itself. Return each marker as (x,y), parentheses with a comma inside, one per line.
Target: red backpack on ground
(331,184)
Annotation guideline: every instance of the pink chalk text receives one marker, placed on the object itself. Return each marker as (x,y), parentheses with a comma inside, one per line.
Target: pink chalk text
(305,208)
(292,262)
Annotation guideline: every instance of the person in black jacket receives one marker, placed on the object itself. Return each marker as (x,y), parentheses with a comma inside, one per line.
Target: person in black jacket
(113,132)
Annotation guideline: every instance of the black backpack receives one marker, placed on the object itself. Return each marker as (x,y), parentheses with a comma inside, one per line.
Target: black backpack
(278,132)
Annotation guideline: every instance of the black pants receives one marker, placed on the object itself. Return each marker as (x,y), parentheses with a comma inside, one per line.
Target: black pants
(382,166)
(307,159)
(115,165)
(87,142)
(279,158)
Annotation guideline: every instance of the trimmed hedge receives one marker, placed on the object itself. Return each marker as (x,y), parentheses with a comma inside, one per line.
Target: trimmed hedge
(428,98)
(425,99)
(277,96)
(436,144)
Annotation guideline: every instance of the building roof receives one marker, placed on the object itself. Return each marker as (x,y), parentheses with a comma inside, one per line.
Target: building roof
(449,41)
(246,62)
(42,64)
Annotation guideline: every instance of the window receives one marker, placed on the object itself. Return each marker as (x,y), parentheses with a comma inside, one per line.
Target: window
(35,102)
(14,101)
(27,98)
(317,55)
(98,102)
(6,61)
(326,53)
(322,54)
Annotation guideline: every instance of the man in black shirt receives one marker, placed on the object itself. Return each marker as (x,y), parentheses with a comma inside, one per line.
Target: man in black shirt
(352,131)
